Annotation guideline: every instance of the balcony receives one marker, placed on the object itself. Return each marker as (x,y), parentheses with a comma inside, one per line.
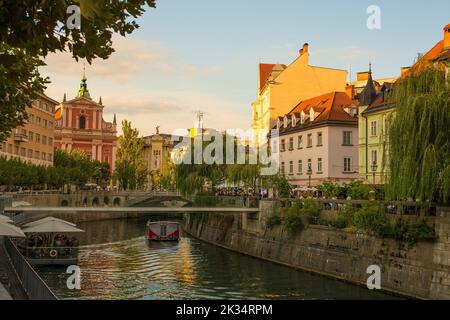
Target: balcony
(20,137)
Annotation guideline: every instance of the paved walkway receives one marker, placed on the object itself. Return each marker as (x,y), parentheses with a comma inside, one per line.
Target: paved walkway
(8,278)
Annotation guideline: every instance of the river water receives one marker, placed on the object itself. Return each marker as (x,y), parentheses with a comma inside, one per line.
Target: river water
(117,263)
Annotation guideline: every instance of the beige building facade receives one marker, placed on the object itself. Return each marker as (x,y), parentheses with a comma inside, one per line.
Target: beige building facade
(33,142)
(157,155)
(281,88)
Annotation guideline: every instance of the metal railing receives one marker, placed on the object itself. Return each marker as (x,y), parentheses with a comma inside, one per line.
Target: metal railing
(32,283)
(48,253)
(389,207)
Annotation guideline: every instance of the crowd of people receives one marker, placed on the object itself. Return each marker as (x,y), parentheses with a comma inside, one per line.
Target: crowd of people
(42,247)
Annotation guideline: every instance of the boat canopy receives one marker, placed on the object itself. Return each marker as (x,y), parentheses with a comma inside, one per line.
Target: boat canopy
(48,219)
(52,225)
(5,219)
(8,230)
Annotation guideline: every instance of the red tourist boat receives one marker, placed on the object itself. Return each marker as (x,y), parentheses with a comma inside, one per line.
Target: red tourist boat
(163,231)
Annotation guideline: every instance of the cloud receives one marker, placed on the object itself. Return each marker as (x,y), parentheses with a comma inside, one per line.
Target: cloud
(143,83)
(133,58)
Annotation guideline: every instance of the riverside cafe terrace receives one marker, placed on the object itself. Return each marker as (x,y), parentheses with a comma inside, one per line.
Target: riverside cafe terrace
(50,241)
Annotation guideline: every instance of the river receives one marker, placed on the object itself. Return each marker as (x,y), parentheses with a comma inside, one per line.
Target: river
(117,263)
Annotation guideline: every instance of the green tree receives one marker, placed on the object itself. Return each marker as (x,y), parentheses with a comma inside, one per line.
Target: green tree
(131,172)
(31,29)
(420,138)
(329,189)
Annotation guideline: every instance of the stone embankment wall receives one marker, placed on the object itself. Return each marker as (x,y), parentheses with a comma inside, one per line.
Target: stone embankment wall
(420,272)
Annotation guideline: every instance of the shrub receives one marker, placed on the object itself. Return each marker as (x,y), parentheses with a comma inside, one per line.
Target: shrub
(357,190)
(372,220)
(412,233)
(311,210)
(329,189)
(293,221)
(273,221)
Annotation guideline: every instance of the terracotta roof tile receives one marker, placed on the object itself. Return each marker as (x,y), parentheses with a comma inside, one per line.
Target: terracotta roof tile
(329,107)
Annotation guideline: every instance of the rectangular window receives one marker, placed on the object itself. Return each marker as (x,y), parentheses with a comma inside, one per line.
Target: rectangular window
(347,138)
(44,140)
(37,154)
(30,153)
(10,148)
(319,165)
(374,157)
(291,144)
(291,168)
(282,169)
(319,139)
(50,157)
(16,150)
(38,120)
(300,167)
(347,165)
(50,141)
(283,145)
(38,137)
(309,165)
(373,128)
(310,141)
(23,152)
(300,142)
(30,136)
(43,156)
(45,123)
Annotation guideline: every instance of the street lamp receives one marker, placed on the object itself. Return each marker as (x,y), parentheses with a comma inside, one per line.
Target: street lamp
(374,170)
(309,173)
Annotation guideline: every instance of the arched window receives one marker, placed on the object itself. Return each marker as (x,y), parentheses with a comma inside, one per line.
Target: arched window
(82,122)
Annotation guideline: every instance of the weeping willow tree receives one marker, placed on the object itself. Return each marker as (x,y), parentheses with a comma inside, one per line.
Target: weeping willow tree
(192,178)
(420,138)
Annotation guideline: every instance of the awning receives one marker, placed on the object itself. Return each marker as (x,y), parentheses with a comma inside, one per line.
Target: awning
(48,219)
(8,230)
(5,219)
(53,225)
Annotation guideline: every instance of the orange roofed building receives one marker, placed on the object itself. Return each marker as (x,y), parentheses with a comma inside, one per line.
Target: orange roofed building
(282,86)
(319,140)
(439,54)
(80,126)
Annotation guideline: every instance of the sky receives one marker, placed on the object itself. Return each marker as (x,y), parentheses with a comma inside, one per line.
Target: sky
(204,54)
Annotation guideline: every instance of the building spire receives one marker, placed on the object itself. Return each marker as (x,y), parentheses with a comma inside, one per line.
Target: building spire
(100,101)
(65,97)
(369,93)
(83,92)
(115,120)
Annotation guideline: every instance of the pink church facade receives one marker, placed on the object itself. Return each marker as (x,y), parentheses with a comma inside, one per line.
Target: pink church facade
(80,126)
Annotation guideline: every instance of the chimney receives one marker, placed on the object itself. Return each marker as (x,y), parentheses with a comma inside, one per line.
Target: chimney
(362,76)
(305,49)
(350,91)
(447,37)
(404,71)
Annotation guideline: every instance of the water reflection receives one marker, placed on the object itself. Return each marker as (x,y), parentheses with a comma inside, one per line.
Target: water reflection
(118,263)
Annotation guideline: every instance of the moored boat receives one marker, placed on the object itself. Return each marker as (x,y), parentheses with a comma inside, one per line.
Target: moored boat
(163,231)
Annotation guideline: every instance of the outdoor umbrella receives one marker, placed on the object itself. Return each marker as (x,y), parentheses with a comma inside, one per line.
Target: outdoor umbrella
(45,220)
(53,226)
(5,219)
(8,230)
